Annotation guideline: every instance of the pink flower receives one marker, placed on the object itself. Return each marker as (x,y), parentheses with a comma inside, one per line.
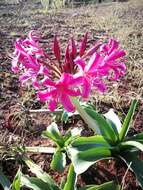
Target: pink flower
(112,60)
(57,80)
(89,74)
(109,58)
(60,92)
(27,52)
(27,59)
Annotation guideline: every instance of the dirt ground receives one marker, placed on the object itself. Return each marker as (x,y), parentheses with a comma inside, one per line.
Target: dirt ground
(123,21)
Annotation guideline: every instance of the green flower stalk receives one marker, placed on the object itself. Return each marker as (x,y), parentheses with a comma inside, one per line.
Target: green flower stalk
(86,117)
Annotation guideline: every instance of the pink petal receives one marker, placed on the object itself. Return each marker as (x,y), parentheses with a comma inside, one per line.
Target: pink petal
(24,78)
(66,78)
(28,64)
(99,85)
(93,63)
(45,71)
(71,92)
(122,67)
(73,47)
(56,49)
(27,42)
(67,61)
(115,55)
(43,95)
(104,48)
(77,80)
(36,84)
(15,67)
(92,50)
(114,45)
(80,62)
(83,45)
(47,82)
(33,35)
(52,105)
(86,88)
(18,46)
(66,102)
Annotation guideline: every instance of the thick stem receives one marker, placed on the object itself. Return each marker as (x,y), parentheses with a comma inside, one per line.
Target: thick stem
(88,120)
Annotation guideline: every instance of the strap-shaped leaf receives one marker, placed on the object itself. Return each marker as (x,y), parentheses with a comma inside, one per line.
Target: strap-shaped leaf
(35,169)
(127,121)
(16,185)
(114,120)
(34,183)
(85,151)
(83,160)
(53,133)
(135,164)
(83,143)
(105,186)
(138,138)
(58,161)
(4,181)
(71,179)
(105,128)
(71,135)
(126,144)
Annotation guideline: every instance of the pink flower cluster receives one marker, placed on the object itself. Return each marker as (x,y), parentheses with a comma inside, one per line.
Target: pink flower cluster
(57,80)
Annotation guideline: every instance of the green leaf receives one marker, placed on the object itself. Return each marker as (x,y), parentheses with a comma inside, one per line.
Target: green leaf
(114,120)
(89,105)
(64,117)
(85,151)
(63,182)
(4,181)
(58,161)
(135,164)
(105,128)
(71,179)
(126,144)
(34,183)
(138,138)
(127,121)
(35,169)
(17,181)
(72,134)
(85,143)
(53,133)
(106,186)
